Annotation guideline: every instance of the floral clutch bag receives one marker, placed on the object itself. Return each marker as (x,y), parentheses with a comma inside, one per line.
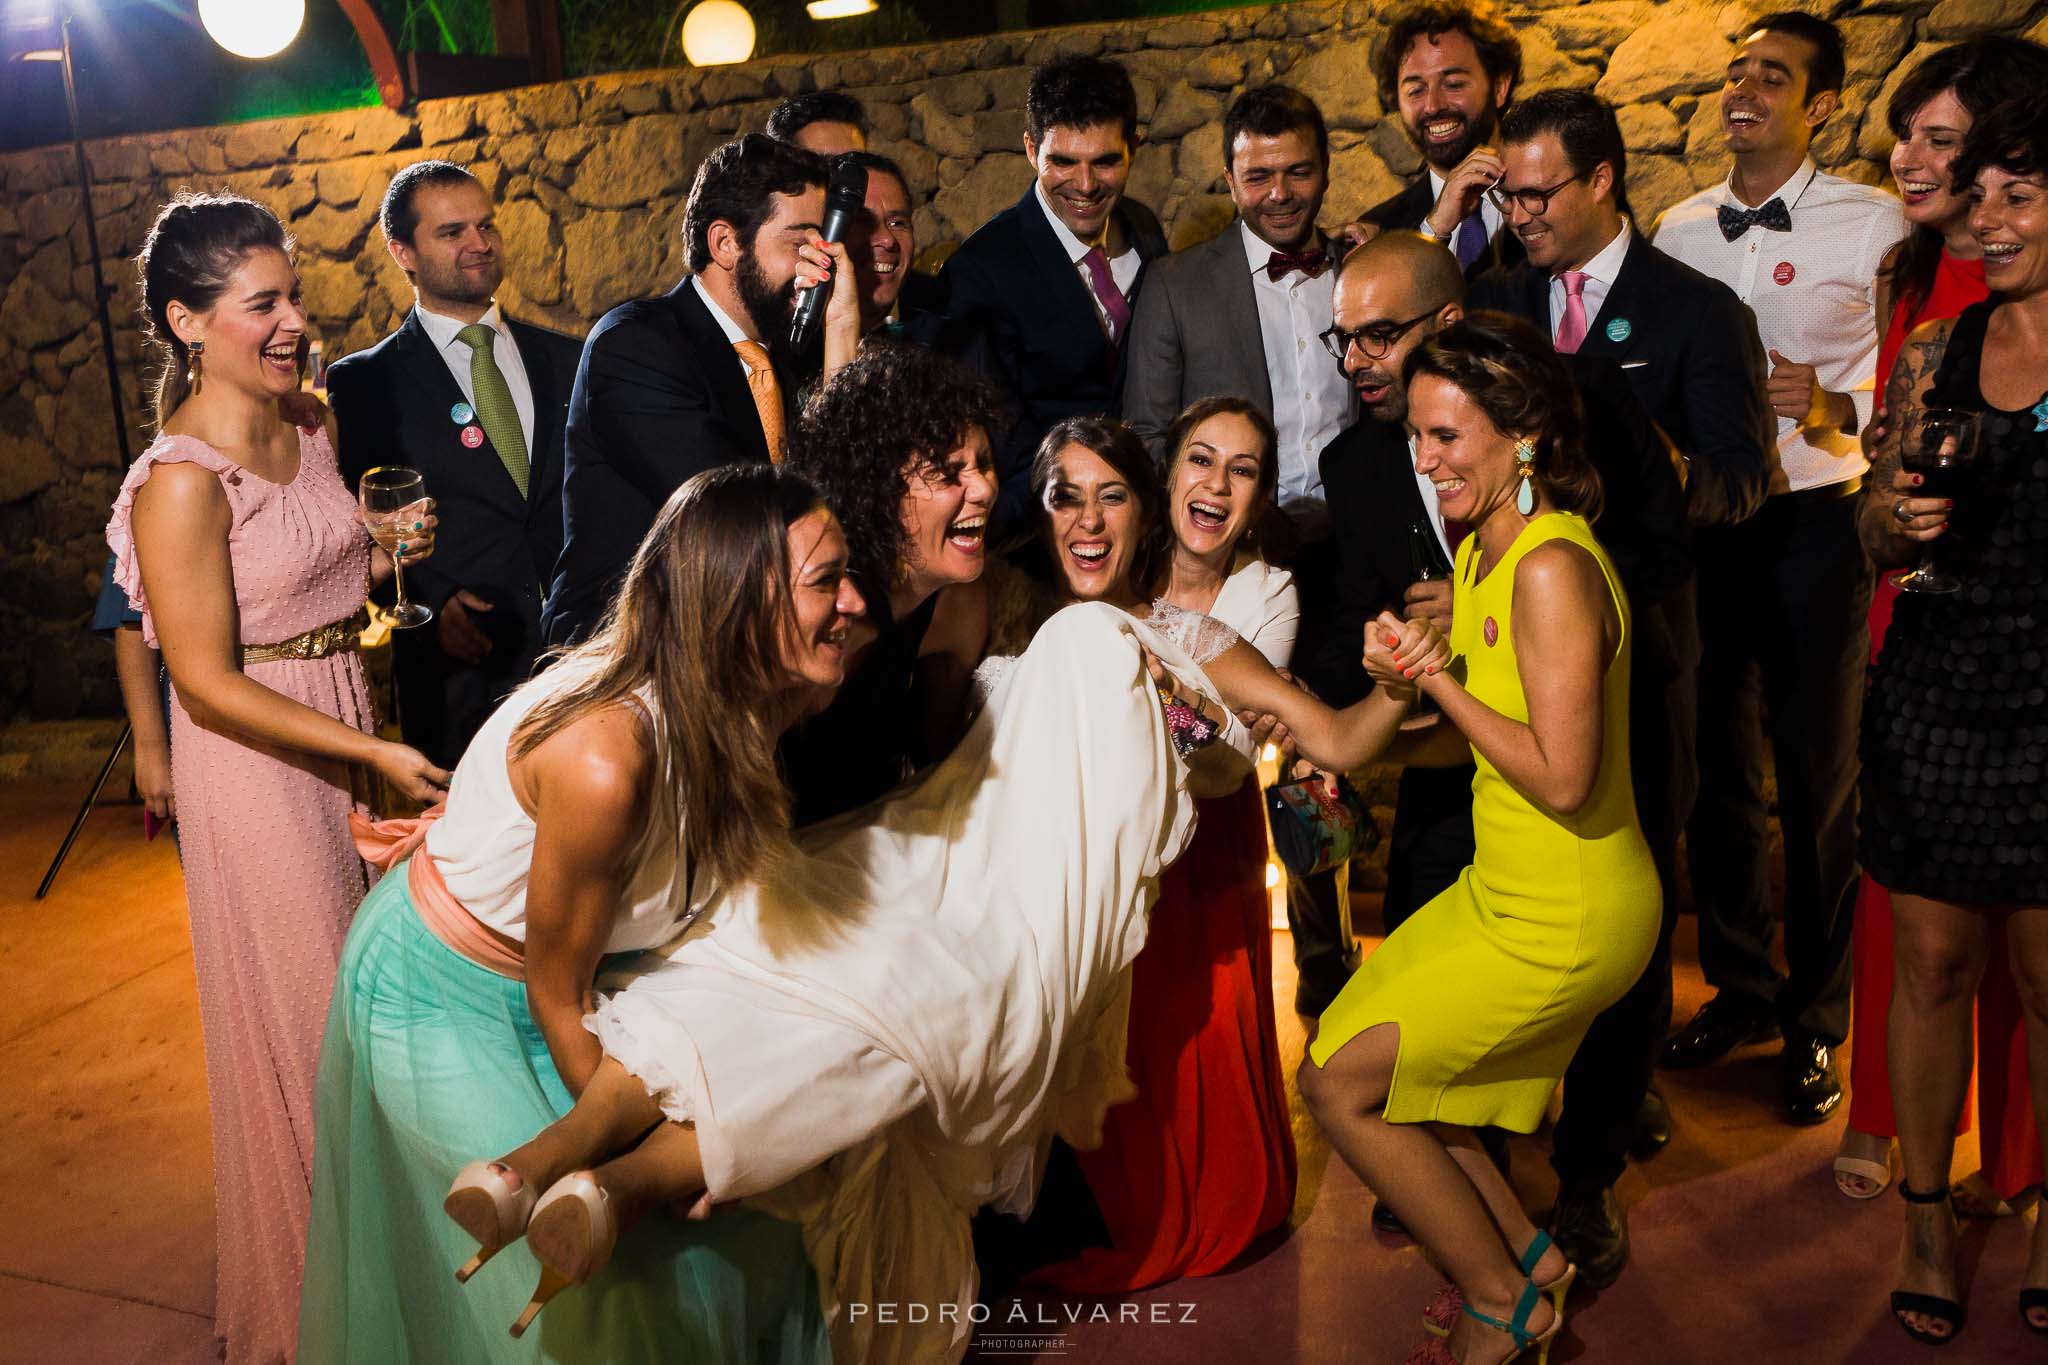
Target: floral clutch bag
(1315,830)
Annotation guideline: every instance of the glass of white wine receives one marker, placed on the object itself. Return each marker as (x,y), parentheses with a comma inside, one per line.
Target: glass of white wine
(393,499)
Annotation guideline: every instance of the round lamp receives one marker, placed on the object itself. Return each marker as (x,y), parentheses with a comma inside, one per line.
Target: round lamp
(253,28)
(718,33)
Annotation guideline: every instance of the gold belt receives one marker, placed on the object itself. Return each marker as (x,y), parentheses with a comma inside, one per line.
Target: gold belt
(316,643)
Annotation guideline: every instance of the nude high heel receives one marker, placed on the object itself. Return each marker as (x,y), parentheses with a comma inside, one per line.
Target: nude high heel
(489,1208)
(572,1234)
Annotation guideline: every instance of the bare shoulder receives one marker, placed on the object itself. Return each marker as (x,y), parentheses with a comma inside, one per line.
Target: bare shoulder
(600,763)
(183,491)
(960,621)
(1560,570)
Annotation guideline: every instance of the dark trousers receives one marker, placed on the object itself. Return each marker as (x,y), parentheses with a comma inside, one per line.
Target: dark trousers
(1610,1073)
(1431,843)
(441,702)
(1784,599)
(1317,917)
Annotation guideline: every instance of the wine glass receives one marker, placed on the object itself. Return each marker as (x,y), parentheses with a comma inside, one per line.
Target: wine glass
(1938,445)
(393,500)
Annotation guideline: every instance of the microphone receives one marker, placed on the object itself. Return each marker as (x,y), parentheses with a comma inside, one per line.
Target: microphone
(846,193)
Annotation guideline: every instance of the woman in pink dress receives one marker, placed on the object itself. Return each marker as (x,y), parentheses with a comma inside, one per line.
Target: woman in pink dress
(235,537)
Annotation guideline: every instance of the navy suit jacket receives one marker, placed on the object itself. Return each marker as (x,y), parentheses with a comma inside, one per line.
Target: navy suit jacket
(660,396)
(1689,348)
(1011,287)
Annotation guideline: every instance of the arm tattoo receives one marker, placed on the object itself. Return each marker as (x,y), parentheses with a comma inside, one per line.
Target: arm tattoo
(1905,389)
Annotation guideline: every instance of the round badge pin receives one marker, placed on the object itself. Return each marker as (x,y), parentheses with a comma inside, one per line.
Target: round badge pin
(1617,330)
(472,437)
(1783,272)
(462,414)
(1491,630)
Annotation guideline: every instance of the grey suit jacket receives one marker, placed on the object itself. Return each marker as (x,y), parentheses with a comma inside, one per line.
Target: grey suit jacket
(1195,334)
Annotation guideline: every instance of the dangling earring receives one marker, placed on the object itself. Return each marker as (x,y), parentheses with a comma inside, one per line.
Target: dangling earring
(1525,465)
(193,373)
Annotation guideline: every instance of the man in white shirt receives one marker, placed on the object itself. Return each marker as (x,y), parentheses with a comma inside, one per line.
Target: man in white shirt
(1784,596)
(477,403)
(1451,67)
(1045,288)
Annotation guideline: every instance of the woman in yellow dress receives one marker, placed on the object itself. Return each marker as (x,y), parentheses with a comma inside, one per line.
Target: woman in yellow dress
(1469,1013)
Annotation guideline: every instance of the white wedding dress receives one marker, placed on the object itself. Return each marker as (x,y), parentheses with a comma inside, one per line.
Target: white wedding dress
(888,1037)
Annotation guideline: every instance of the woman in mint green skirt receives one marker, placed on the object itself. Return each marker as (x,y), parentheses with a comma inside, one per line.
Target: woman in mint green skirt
(598,805)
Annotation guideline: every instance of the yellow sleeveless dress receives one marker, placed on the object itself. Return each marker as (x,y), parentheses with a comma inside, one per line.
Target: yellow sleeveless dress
(1495,981)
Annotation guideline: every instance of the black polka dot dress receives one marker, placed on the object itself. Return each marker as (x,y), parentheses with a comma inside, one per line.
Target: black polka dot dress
(1955,727)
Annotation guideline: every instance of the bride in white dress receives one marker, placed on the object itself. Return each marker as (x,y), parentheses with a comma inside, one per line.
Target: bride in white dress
(887,1034)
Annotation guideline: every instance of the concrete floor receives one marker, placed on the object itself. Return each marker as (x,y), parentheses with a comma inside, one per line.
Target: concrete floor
(1744,1252)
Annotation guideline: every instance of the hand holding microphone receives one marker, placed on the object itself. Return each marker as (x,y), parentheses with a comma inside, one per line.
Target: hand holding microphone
(846,191)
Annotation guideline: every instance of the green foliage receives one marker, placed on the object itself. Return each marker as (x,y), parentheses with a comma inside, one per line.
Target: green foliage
(622,35)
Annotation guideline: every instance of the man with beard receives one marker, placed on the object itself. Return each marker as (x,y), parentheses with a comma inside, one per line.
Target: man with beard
(672,386)
(1046,286)
(476,402)
(1392,295)
(1240,314)
(1689,351)
(1450,67)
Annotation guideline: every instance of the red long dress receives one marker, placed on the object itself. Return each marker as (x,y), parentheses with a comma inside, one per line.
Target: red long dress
(1202,1160)
(2010,1141)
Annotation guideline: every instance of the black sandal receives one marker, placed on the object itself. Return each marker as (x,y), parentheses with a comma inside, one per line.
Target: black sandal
(2034,1301)
(1942,1310)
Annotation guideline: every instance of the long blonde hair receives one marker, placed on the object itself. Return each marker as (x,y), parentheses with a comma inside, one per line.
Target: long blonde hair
(700,621)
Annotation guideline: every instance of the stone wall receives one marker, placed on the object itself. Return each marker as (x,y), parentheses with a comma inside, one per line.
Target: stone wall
(591,175)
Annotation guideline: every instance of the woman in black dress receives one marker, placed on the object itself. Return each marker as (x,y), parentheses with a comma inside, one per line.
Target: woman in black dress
(1955,730)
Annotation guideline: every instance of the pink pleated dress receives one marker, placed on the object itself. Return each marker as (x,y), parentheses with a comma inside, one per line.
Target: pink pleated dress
(271,874)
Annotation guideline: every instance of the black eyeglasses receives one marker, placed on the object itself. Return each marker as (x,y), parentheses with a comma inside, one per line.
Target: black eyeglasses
(1375,340)
(1533,202)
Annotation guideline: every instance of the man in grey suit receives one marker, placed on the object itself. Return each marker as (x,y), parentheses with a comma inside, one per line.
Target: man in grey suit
(1243,314)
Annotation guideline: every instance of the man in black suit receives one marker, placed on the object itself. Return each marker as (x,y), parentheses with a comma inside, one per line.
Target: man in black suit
(1689,350)
(697,378)
(1450,67)
(476,402)
(1046,285)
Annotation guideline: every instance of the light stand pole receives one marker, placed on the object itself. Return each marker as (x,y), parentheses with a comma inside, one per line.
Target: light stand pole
(101,296)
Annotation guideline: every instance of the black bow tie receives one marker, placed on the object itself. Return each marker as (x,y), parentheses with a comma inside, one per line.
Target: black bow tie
(1773,217)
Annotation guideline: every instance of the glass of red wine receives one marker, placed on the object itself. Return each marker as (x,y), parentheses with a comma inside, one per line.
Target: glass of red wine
(1938,446)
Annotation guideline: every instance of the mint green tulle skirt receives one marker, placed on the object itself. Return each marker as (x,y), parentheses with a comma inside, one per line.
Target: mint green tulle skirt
(430,1062)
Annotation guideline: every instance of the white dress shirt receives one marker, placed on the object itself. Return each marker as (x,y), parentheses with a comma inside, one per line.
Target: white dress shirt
(1600,276)
(1489,216)
(1312,401)
(734,333)
(1814,293)
(1123,270)
(442,331)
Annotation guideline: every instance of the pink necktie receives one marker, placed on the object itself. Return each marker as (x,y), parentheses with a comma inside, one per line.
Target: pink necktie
(1572,331)
(1114,304)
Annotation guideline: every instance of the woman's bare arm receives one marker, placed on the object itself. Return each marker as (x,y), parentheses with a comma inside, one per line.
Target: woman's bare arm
(135,664)
(1329,738)
(587,787)
(1564,631)
(1905,398)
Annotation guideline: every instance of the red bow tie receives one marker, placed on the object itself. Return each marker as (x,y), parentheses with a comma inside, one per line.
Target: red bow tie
(1309,263)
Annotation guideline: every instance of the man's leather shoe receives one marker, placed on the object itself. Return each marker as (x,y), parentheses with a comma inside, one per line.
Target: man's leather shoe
(1384,1219)
(1590,1229)
(1653,1126)
(1723,1024)
(1812,1087)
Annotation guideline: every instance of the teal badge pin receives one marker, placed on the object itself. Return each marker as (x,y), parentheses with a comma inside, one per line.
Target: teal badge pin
(462,414)
(2041,415)
(1619,329)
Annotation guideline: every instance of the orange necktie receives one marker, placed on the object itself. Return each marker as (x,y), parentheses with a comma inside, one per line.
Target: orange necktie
(767,394)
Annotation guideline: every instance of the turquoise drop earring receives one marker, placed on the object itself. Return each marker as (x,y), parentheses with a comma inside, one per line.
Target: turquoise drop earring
(1525,465)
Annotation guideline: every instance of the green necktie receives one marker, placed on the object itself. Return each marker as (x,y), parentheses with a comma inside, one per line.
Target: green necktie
(494,405)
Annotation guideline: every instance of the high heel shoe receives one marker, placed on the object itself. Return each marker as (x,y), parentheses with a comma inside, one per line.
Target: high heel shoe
(1942,1310)
(1442,1311)
(1436,1352)
(2034,1300)
(572,1234)
(489,1208)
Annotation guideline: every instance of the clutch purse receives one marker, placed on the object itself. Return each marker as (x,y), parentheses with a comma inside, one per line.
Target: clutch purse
(1314,829)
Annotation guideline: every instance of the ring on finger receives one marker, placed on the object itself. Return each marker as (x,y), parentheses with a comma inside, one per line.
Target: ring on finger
(1899,512)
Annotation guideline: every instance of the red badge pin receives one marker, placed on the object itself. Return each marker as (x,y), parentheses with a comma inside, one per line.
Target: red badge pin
(1491,631)
(472,436)
(1783,272)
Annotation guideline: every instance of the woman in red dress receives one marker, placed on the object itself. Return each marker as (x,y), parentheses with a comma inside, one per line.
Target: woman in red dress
(1201,1160)
(1936,273)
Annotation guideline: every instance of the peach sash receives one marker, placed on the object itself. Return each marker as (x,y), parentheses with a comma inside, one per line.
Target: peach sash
(384,844)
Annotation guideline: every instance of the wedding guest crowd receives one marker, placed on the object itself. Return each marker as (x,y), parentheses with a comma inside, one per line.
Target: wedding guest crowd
(902,683)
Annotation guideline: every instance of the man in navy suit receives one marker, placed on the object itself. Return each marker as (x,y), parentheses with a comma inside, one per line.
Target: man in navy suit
(697,378)
(476,402)
(1689,349)
(1450,67)
(1046,285)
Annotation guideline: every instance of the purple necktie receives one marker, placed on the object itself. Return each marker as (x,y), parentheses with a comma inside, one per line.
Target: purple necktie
(1470,240)
(1112,299)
